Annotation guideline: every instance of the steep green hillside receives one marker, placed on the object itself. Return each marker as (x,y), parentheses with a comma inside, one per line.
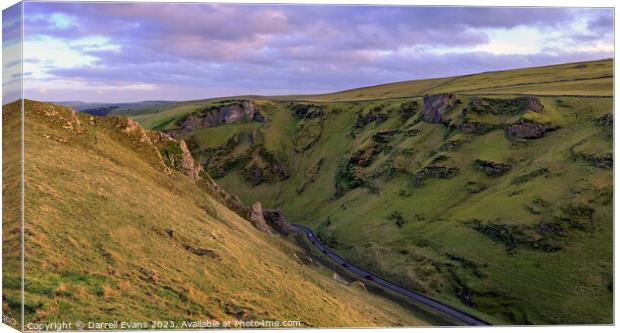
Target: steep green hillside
(122,225)
(485,199)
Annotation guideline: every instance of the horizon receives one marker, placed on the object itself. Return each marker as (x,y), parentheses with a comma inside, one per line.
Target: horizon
(321,93)
(125,53)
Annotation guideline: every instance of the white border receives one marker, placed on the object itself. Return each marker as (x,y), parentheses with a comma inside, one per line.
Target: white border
(511,3)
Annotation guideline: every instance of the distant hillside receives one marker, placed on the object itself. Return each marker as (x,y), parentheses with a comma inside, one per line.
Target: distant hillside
(491,192)
(122,224)
(103,109)
(590,78)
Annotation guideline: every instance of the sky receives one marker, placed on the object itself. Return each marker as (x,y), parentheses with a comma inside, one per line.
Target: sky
(122,52)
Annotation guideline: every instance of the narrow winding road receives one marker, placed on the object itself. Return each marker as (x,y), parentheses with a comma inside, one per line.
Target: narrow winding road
(425,300)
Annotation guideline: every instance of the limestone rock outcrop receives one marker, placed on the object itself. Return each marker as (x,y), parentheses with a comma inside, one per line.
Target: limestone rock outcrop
(257,218)
(436,105)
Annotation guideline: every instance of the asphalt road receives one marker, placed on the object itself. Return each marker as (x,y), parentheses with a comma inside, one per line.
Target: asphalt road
(425,300)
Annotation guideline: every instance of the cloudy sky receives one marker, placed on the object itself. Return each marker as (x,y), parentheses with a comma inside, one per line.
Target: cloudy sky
(129,52)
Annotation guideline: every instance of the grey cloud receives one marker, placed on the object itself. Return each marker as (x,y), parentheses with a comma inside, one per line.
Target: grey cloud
(240,49)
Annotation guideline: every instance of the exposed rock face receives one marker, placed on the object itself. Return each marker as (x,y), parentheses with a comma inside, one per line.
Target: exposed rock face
(258,117)
(348,176)
(358,284)
(375,115)
(199,251)
(607,120)
(174,154)
(257,218)
(307,111)
(407,109)
(435,169)
(436,105)
(308,132)
(276,219)
(474,187)
(451,145)
(598,160)
(189,167)
(253,174)
(234,203)
(218,160)
(255,164)
(492,169)
(164,146)
(364,157)
(602,162)
(269,170)
(383,137)
(541,237)
(218,115)
(234,113)
(524,129)
(504,106)
(534,104)
(229,200)
(412,132)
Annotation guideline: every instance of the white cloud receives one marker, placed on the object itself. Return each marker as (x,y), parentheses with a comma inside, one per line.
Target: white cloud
(43,53)
(520,40)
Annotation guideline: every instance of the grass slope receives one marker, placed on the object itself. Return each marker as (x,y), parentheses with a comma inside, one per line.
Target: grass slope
(411,200)
(563,79)
(114,232)
(11,203)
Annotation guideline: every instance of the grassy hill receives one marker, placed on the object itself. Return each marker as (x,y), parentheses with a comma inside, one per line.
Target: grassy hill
(496,198)
(562,79)
(121,225)
(118,108)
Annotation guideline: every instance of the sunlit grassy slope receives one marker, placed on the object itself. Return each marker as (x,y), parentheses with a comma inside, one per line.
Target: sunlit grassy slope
(114,232)
(11,203)
(530,245)
(584,78)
